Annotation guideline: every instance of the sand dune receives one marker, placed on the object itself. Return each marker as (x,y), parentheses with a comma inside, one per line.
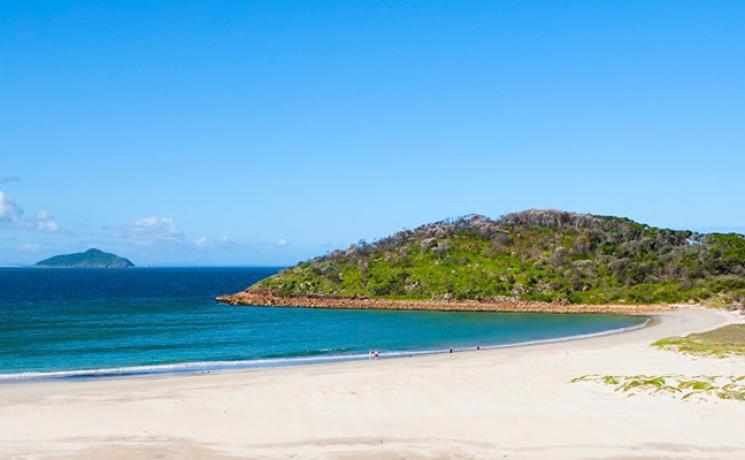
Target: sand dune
(514,403)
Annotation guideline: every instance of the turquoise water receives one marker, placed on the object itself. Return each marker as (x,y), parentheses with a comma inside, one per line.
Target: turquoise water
(93,323)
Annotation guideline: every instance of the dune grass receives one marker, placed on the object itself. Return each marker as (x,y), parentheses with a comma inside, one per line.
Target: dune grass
(723,342)
(679,386)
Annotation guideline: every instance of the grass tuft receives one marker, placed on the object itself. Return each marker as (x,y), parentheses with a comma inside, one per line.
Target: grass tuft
(721,343)
(723,387)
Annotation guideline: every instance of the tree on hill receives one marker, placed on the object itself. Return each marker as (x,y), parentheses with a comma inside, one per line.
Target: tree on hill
(531,255)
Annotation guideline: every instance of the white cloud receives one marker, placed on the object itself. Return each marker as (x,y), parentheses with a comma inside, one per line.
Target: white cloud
(157,227)
(162,233)
(10,212)
(222,242)
(11,215)
(150,230)
(281,243)
(45,222)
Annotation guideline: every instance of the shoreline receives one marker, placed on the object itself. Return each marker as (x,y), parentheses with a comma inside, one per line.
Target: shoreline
(267,299)
(512,402)
(208,367)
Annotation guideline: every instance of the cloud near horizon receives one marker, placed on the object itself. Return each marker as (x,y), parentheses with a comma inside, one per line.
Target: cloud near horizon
(146,240)
(163,231)
(45,223)
(10,212)
(12,217)
(150,230)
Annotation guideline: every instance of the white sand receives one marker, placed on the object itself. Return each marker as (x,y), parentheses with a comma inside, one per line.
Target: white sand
(512,403)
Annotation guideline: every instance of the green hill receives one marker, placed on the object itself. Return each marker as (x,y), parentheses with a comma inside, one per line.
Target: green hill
(92,258)
(539,255)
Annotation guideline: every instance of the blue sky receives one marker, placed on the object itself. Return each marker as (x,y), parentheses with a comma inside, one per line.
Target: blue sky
(254,133)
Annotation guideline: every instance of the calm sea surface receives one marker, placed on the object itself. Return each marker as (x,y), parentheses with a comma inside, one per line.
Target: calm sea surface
(92,323)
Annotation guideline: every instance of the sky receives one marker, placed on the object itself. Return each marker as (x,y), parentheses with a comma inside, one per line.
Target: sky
(267,132)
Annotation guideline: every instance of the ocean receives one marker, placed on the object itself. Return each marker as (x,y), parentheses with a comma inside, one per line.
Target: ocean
(68,323)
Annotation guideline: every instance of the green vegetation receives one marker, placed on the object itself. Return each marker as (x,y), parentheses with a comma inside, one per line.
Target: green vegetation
(723,387)
(722,342)
(92,258)
(532,255)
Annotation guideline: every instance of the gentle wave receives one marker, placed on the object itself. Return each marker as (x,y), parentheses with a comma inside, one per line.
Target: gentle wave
(208,366)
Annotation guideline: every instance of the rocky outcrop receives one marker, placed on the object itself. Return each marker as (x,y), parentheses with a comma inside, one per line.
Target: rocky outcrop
(737,307)
(254,297)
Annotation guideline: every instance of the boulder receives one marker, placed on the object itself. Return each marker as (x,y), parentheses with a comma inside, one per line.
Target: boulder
(428,243)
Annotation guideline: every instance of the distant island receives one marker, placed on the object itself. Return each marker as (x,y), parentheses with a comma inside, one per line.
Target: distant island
(92,258)
(526,258)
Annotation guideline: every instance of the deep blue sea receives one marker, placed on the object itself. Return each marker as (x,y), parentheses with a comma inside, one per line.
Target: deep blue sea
(91,323)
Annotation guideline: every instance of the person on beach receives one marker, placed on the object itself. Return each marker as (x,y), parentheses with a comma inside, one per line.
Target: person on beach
(376,354)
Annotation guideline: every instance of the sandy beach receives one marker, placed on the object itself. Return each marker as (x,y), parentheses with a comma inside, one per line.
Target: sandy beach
(515,403)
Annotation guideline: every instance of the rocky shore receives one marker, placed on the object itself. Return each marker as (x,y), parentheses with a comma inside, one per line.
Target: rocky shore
(268,299)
